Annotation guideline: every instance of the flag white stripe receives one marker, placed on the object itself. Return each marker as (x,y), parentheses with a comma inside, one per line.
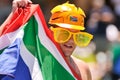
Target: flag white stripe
(50,45)
(31,62)
(8,38)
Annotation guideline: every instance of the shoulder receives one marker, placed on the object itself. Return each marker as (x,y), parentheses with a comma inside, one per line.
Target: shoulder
(80,63)
(83,68)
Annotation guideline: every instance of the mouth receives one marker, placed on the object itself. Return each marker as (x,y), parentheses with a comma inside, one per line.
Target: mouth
(68,46)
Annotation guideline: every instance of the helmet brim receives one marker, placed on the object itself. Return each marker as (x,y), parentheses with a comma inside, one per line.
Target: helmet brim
(76,27)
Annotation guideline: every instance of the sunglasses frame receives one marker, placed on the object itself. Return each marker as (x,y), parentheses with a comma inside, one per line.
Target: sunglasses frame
(90,36)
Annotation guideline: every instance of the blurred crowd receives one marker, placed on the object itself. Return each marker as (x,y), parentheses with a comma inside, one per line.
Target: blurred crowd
(103,21)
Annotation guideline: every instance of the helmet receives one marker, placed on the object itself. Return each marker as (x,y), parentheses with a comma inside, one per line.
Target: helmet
(68,16)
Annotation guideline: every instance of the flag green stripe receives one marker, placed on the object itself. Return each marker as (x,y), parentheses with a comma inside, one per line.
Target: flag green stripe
(51,68)
(2,50)
(30,36)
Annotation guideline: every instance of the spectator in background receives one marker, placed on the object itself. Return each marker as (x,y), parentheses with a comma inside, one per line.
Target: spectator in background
(116,8)
(100,16)
(116,4)
(113,36)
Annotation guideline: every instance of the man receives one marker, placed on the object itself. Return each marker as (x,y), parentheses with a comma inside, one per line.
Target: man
(67,23)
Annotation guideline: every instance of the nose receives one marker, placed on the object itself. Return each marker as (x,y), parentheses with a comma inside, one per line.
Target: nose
(71,39)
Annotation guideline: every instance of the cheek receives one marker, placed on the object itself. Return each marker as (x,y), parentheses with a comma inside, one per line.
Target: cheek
(61,46)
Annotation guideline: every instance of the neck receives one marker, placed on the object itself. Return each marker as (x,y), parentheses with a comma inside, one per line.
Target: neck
(73,66)
(69,60)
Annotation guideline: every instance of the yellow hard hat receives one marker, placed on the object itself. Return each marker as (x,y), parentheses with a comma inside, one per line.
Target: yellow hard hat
(68,16)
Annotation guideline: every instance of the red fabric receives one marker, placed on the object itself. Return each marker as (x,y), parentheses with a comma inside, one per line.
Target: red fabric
(18,18)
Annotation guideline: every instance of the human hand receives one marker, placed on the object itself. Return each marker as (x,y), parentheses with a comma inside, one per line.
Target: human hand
(20,3)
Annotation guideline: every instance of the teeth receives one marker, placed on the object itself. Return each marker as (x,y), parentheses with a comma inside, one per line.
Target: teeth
(68,46)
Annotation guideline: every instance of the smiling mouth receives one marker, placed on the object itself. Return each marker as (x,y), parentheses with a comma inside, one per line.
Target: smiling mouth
(68,46)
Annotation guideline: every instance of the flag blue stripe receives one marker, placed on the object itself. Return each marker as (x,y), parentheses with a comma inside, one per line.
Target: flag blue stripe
(9,59)
(12,66)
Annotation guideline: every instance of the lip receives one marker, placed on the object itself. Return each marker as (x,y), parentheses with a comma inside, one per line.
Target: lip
(68,46)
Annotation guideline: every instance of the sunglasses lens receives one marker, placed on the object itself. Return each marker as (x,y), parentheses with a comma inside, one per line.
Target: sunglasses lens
(82,39)
(61,35)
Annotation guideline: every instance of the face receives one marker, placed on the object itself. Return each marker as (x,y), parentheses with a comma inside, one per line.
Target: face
(69,46)
(69,38)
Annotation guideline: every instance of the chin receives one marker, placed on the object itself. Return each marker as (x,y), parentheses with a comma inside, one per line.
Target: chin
(67,53)
(67,50)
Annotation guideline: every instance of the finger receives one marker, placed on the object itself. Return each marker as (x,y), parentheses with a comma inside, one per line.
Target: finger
(29,1)
(21,4)
(24,3)
(14,5)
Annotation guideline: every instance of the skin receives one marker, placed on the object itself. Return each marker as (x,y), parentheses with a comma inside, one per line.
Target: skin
(20,3)
(69,46)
